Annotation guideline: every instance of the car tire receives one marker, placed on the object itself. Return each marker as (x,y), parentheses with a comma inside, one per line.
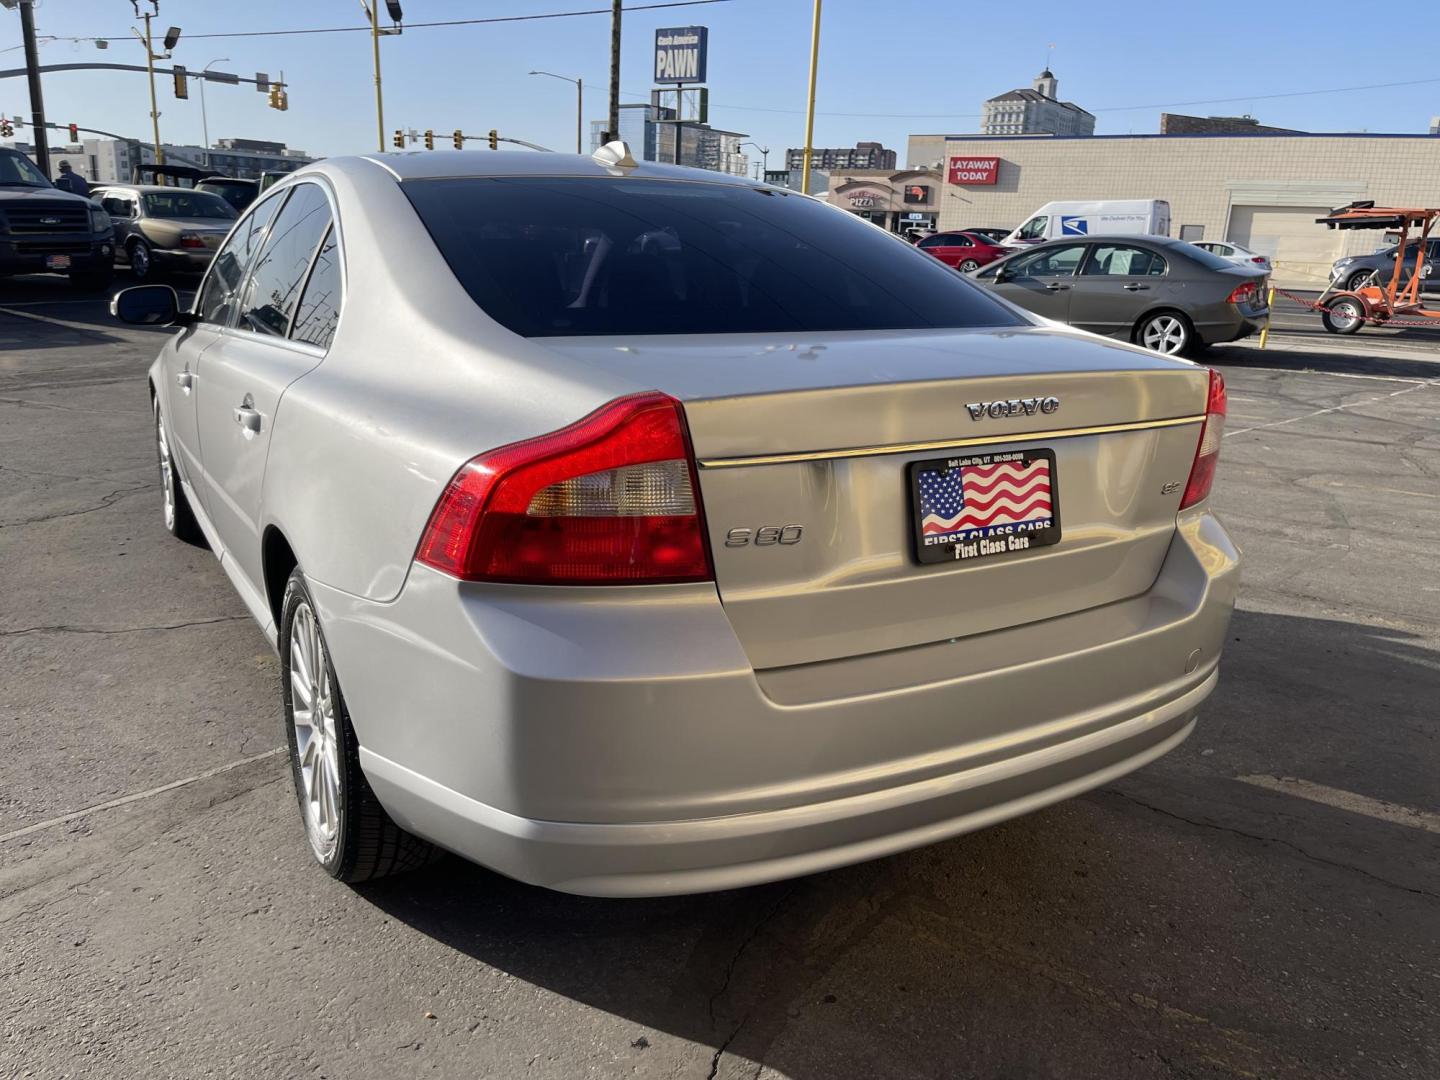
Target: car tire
(1357,279)
(179,518)
(1167,332)
(1343,315)
(968,265)
(88,280)
(142,262)
(349,833)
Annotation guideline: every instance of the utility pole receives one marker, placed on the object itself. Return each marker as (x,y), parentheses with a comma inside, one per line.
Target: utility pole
(32,74)
(810,105)
(204,119)
(150,69)
(613,122)
(374,6)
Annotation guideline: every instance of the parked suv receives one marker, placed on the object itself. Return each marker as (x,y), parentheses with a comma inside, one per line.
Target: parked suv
(1353,271)
(45,229)
(160,229)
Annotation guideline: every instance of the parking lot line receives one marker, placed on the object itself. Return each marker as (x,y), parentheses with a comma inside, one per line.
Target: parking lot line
(1344,800)
(138,796)
(1331,409)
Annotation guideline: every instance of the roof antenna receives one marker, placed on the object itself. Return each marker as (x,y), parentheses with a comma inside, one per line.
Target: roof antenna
(615,155)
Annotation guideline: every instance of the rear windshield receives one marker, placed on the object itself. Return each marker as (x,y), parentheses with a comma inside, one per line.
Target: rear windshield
(1209,259)
(548,256)
(187,204)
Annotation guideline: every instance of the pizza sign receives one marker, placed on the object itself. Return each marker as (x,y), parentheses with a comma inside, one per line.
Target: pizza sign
(865,200)
(973,170)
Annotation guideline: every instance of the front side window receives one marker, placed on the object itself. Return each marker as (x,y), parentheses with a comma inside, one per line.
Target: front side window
(220,293)
(182,203)
(1116,260)
(272,290)
(549,256)
(1051,262)
(118,206)
(1034,229)
(319,311)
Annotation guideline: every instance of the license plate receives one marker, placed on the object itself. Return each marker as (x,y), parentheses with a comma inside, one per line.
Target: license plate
(57,262)
(979,506)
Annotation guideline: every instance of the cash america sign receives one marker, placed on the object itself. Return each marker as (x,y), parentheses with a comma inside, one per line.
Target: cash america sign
(974,170)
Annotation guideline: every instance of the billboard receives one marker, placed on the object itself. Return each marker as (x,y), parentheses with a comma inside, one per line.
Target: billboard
(974,170)
(680,54)
(917,193)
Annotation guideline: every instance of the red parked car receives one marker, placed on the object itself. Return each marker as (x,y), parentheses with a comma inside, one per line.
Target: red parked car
(963,250)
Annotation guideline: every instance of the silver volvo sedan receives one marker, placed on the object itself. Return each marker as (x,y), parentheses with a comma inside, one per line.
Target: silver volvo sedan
(637,530)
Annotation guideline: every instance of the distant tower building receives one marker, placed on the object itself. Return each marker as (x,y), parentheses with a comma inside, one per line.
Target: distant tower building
(1037,111)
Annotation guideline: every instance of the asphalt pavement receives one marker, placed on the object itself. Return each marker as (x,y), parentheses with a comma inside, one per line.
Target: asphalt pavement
(1263,902)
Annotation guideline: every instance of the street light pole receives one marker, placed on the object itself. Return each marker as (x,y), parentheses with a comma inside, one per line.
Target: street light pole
(374,8)
(205,120)
(32,74)
(810,105)
(579,106)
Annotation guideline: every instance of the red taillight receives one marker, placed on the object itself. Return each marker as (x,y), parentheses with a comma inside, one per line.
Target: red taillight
(1244,292)
(190,240)
(613,499)
(1259,259)
(1207,452)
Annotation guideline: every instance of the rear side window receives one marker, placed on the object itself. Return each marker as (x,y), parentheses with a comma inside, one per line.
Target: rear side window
(319,310)
(1118,260)
(549,256)
(273,290)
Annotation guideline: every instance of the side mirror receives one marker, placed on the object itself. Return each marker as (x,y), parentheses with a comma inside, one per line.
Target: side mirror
(150,305)
(1002,274)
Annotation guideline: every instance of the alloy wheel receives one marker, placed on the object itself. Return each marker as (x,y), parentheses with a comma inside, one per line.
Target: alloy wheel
(968,265)
(167,470)
(140,261)
(317,743)
(1164,334)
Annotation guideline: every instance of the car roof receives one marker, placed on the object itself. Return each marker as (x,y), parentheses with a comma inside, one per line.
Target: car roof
(451,164)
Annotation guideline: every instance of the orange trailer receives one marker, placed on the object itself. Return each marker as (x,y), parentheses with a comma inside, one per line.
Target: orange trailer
(1345,311)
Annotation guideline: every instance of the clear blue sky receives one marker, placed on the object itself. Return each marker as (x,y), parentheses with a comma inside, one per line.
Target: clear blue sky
(926,65)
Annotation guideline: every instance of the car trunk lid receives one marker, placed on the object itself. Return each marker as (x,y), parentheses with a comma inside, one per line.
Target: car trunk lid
(805,450)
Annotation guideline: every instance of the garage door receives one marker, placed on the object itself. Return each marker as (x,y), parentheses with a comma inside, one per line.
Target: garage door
(1300,249)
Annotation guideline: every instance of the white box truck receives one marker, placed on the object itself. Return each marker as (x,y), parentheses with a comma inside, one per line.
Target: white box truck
(1100,217)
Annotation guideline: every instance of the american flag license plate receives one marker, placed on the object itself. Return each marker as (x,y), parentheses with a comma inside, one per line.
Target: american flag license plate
(975,506)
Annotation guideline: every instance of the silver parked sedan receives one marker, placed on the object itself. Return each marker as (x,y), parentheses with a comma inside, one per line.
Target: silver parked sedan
(1166,295)
(636,530)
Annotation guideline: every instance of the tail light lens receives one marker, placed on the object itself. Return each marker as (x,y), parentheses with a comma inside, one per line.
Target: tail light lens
(613,499)
(1260,259)
(191,240)
(1207,453)
(1244,292)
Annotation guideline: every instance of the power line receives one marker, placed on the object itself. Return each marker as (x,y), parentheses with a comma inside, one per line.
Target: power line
(423,25)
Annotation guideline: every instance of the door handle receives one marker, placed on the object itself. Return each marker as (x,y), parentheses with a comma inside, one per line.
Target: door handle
(185,380)
(1055,286)
(1132,287)
(248,417)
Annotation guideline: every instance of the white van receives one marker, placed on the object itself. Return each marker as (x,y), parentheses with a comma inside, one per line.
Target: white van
(1102,217)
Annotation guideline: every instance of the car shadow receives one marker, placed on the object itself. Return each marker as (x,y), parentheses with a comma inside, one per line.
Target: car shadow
(1321,360)
(994,935)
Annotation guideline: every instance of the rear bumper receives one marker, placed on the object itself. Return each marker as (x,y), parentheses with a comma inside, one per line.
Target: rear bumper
(1228,323)
(623,745)
(182,260)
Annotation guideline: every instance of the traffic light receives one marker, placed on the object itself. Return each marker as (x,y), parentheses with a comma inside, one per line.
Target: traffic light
(7,129)
(182,83)
(459,139)
(429,139)
(278,98)
(74,130)
(400,138)
(494,139)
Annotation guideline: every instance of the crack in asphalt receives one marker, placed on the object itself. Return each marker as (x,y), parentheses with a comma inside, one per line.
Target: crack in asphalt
(760,925)
(64,629)
(1273,840)
(107,500)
